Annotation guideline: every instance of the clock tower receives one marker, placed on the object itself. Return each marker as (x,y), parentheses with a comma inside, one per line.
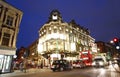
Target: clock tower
(55,16)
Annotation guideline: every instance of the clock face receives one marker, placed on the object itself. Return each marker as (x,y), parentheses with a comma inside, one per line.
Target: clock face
(54,17)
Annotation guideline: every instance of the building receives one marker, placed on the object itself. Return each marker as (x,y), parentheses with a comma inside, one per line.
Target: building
(21,53)
(34,57)
(33,53)
(107,48)
(59,39)
(10,18)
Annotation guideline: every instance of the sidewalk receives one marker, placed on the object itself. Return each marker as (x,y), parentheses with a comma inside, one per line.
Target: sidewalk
(114,67)
(28,71)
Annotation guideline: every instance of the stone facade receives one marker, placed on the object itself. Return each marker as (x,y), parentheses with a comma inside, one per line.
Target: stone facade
(10,18)
(57,36)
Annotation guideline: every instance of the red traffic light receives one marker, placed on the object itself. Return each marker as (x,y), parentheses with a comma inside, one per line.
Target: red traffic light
(115,39)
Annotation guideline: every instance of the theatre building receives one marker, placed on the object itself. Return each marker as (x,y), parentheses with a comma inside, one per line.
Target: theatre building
(62,40)
(10,19)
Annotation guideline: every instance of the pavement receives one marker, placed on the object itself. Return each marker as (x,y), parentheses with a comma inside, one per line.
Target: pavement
(116,67)
(28,71)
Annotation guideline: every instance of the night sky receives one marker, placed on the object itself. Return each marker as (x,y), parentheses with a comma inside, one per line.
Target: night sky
(101,17)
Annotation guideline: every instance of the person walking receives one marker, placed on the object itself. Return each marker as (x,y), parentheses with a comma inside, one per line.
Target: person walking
(24,66)
(41,65)
(21,66)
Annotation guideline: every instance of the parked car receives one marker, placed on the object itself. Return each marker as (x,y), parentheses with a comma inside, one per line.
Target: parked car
(78,64)
(61,65)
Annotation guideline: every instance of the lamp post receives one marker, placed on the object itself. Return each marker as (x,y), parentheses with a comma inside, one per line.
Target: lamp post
(116,42)
(98,50)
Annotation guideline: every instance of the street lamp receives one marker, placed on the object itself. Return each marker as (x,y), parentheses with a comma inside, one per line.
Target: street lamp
(14,56)
(98,50)
(111,41)
(117,47)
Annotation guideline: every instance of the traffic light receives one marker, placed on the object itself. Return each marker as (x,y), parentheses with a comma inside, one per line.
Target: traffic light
(116,40)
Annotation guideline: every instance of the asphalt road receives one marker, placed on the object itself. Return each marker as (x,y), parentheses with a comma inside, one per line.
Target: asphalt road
(86,72)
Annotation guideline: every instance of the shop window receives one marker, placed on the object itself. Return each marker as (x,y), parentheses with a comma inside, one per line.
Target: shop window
(6,38)
(9,21)
(1,61)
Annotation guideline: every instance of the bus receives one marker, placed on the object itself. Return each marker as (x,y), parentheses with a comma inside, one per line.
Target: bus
(86,56)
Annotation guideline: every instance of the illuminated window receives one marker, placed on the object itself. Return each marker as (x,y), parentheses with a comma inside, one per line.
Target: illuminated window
(9,21)
(6,39)
(55,27)
(67,30)
(44,30)
(49,28)
(60,28)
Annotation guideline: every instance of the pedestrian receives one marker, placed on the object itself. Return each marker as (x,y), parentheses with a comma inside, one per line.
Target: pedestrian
(24,66)
(41,65)
(38,64)
(21,66)
(14,65)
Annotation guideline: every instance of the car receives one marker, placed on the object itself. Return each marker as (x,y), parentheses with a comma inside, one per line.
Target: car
(98,62)
(78,64)
(61,65)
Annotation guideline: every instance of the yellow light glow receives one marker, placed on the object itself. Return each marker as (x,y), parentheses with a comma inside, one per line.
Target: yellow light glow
(40,48)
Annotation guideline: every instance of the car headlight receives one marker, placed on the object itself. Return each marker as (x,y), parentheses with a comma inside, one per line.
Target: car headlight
(101,63)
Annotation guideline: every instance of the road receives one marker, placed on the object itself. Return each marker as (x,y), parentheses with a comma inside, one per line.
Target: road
(86,72)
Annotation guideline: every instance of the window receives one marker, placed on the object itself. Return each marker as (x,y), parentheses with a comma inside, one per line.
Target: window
(6,39)
(9,21)
(55,30)
(49,31)
(49,28)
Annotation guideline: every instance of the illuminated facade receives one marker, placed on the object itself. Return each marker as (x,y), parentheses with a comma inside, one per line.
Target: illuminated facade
(58,39)
(10,19)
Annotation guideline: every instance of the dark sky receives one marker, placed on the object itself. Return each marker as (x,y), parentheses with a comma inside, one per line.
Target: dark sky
(101,17)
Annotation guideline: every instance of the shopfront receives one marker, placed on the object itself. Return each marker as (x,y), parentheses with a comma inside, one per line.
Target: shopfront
(5,63)
(6,58)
